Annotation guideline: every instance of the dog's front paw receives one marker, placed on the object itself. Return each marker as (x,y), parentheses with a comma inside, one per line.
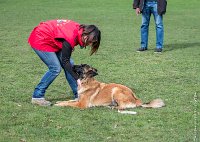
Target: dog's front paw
(58,102)
(61,103)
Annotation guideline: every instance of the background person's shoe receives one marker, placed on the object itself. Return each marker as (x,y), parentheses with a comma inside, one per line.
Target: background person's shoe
(40,102)
(141,49)
(158,50)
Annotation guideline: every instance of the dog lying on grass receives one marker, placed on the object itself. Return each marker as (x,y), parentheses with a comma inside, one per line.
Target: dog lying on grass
(93,93)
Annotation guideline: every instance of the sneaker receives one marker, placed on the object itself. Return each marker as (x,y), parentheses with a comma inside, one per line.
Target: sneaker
(141,49)
(40,102)
(158,50)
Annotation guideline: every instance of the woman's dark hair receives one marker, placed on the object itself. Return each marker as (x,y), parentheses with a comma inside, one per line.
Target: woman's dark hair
(94,36)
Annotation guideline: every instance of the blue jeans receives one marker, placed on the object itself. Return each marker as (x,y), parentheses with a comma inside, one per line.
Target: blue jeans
(151,8)
(53,62)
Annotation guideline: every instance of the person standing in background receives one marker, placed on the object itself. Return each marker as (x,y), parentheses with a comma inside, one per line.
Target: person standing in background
(146,8)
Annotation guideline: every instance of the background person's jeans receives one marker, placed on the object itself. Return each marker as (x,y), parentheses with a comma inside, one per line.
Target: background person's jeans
(151,8)
(53,62)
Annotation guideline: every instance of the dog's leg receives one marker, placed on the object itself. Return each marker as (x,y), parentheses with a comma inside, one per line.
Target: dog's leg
(122,105)
(123,100)
(70,103)
(67,103)
(61,103)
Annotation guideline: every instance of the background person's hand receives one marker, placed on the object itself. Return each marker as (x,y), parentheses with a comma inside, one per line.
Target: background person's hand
(79,82)
(137,11)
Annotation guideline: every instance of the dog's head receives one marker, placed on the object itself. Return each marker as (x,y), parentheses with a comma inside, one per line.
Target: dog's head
(85,71)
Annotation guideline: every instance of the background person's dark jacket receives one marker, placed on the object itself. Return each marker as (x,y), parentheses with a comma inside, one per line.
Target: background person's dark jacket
(162,5)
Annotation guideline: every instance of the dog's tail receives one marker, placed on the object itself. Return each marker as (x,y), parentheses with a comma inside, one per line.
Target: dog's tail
(157,103)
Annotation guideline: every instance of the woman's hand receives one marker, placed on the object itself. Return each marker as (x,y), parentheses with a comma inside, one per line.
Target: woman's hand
(79,82)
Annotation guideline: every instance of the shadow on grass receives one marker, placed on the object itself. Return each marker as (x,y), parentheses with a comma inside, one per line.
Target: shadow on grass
(175,46)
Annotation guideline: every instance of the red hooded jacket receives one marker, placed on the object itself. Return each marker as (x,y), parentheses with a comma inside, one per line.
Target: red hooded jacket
(46,36)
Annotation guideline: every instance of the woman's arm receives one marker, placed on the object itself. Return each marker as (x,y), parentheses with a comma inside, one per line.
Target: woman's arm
(66,54)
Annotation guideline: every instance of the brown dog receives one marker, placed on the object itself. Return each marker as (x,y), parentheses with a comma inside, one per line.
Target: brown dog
(94,93)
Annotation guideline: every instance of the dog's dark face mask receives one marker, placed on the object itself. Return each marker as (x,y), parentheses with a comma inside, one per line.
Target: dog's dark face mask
(85,71)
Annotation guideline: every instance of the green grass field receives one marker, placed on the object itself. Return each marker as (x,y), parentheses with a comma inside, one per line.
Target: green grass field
(173,75)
